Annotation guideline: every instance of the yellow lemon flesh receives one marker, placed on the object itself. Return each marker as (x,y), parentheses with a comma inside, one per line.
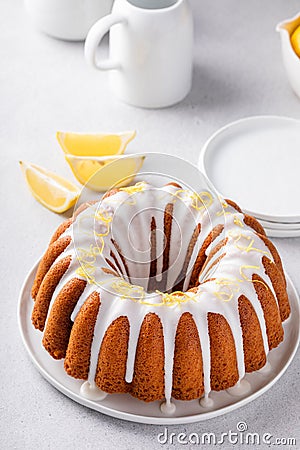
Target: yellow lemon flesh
(295,40)
(80,144)
(51,190)
(101,174)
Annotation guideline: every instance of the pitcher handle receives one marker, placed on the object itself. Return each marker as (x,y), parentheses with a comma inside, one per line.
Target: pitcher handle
(95,36)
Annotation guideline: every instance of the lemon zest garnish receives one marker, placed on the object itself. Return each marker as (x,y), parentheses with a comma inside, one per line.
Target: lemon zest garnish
(245,266)
(137,294)
(127,290)
(199,201)
(251,248)
(238,222)
(231,286)
(138,187)
(104,217)
(224,296)
(87,272)
(223,213)
(87,259)
(176,298)
(247,248)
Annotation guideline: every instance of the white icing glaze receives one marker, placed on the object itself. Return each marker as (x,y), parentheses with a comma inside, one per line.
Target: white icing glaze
(242,387)
(125,218)
(168,408)
(92,392)
(206,402)
(266,369)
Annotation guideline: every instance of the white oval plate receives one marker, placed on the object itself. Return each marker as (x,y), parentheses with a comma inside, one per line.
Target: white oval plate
(123,406)
(255,162)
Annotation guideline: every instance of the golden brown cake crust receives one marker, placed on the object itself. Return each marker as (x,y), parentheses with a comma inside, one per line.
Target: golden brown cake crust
(274,254)
(110,193)
(116,262)
(278,283)
(248,220)
(111,367)
(46,290)
(148,382)
(270,310)
(61,229)
(168,218)
(52,253)
(82,208)
(215,232)
(182,275)
(111,264)
(218,247)
(254,224)
(224,371)
(174,184)
(119,251)
(254,352)
(59,324)
(214,263)
(187,378)
(153,264)
(233,205)
(77,361)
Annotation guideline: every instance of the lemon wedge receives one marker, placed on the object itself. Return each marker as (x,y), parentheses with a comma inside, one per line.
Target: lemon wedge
(295,40)
(101,173)
(80,144)
(51,190)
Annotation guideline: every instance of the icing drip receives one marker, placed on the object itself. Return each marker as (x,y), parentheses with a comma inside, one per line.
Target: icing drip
(92,392)
(134,332)
(169,330)
(168,408)
(206,402)
(241,388)
(200,318)
(266,369)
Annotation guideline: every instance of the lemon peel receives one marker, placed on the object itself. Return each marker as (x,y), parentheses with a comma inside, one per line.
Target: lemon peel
(101,173)
(94,144)
(51,190)
(295,41)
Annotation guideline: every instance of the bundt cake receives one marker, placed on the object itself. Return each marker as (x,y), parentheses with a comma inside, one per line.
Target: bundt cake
(160,292)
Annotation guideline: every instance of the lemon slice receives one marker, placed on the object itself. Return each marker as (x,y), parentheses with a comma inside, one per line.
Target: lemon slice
(53,191)
(101,173)
(295,40)
(80,144)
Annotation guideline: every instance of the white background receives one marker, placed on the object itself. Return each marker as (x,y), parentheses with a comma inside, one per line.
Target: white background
(46,86)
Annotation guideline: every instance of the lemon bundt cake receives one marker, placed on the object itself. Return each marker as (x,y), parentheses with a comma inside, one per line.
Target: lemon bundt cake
(160,292)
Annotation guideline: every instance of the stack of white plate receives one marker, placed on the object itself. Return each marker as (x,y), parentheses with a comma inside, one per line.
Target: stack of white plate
(256,162)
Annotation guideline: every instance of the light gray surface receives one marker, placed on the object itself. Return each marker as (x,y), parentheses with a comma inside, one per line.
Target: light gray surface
(46,86)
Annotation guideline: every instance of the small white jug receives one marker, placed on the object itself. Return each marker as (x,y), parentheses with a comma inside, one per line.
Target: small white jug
(151,51)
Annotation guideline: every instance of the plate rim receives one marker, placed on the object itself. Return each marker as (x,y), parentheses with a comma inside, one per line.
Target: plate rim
(150,420)
(280,225)
(275,232)
(224,128)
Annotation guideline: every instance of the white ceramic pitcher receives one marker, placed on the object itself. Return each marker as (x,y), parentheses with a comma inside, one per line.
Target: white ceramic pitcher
(151,51)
